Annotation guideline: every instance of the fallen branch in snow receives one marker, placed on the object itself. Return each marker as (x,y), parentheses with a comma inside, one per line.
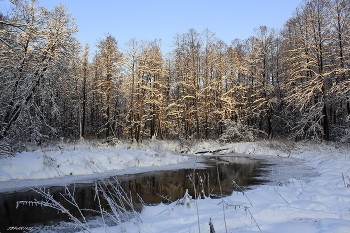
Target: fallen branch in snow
(227,204)
(211,151)
(163,212)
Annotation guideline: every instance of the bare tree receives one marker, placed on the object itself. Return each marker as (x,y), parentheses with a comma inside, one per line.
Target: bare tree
(38,54)
(309,81)
(110,59)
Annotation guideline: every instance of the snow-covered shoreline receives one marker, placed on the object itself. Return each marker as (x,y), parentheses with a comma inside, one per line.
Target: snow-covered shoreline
(318,203)
(84,158)
(57,166)
(313,205)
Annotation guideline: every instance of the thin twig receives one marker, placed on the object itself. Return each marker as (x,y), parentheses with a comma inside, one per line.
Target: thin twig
(195,193)
(252,217)
(223,206)
(163,212)
(281,196)
(238,187)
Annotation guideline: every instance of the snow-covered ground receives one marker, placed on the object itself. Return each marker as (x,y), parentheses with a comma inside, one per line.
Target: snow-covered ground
(315,204)
(81,161)
(318,203)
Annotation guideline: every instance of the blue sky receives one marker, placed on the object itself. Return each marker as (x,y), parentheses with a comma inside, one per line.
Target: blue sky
(162,19)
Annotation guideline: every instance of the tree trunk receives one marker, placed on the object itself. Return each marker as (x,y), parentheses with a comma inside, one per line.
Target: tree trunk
(325,123)
(108,110)
(84,103)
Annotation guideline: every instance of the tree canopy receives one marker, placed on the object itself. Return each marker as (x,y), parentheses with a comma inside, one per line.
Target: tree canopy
(292,82)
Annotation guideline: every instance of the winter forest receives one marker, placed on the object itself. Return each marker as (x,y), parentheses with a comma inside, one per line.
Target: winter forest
(292,82)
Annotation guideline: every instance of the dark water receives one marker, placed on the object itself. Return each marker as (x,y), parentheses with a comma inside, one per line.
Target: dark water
(152,187)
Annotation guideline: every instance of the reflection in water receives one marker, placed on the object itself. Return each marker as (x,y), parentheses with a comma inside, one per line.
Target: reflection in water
(153,187)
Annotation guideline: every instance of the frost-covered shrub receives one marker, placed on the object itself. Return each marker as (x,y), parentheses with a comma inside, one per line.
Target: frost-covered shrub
(186,200)
(49,162)
(120,204)
(237,131)
(5,149)
(345,137)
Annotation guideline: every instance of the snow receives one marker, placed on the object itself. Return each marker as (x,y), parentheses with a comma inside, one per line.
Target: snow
(78,162)
(290,203)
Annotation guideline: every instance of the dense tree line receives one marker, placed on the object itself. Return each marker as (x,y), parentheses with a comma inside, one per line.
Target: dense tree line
(288,83)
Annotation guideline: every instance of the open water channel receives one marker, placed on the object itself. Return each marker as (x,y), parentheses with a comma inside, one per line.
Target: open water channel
(153,187)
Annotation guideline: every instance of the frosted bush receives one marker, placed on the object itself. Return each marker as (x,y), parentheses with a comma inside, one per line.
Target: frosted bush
(186,200)
(237,131)
(49,162)
(346,132)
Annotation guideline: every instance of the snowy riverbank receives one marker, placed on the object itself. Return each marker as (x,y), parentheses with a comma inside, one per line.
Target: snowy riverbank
(316,204)
(79,161)
(313,204)
(85,158)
